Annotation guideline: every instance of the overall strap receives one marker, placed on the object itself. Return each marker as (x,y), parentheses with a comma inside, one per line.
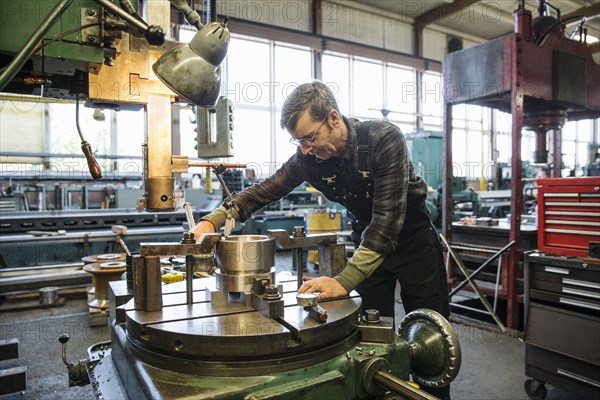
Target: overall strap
(363,145)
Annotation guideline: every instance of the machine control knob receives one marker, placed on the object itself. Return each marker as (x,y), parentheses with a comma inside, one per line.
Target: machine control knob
(64,338)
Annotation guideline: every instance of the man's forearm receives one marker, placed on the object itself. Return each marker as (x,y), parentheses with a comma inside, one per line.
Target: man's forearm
(359,267)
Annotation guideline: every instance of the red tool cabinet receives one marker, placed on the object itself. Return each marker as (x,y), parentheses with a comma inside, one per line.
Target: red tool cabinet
(568,215)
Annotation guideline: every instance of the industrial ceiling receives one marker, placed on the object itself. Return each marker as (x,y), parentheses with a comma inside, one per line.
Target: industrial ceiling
(484,19)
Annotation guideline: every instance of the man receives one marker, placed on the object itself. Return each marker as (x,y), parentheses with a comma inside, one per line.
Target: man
(366,168)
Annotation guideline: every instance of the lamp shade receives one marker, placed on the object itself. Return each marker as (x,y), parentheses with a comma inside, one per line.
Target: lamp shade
(193,70)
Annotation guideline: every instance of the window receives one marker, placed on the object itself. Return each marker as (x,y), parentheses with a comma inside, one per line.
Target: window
(367,84)
(401,97)
(432,101)
(336,74)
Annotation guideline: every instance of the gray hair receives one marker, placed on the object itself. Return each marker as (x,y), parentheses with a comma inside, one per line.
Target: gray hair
(316,97)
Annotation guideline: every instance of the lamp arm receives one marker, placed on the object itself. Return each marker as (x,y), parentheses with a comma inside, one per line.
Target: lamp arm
(153,34)
(191,15)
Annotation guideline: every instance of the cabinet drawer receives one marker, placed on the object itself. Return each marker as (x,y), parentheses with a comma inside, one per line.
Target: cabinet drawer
(565,372)
(584,305)
(576,271)
(569,333)
(568,286)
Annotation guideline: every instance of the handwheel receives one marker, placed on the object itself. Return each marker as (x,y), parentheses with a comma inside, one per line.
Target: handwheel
(535,390)
(435,350)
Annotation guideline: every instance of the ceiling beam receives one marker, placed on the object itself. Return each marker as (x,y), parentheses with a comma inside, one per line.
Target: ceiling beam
(588,11)
(442,11)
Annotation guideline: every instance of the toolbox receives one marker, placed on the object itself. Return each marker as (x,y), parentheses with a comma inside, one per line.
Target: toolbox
(568,215)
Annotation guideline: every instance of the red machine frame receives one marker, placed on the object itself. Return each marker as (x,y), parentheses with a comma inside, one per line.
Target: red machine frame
(516,75)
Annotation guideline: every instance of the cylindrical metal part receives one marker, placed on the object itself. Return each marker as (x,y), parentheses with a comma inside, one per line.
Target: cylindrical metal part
(240,282)
(242,258)
(161,194)
(48,295)
(245,254)
(390,382)
(103,273)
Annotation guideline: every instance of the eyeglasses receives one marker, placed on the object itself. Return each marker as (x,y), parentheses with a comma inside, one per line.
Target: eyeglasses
(310,142)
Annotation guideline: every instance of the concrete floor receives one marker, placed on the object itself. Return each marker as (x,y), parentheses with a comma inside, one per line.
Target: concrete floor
(492,362)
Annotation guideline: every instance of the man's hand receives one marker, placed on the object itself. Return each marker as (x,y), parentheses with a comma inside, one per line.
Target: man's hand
(203,227)
(327,287)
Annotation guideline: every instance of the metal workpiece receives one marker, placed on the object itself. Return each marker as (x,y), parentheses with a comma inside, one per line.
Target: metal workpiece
(241,259)
(245,254)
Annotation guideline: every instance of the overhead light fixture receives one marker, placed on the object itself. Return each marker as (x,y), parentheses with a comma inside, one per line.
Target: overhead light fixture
(193,70)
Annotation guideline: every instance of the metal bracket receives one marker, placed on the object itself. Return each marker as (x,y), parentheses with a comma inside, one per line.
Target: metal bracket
(147,288)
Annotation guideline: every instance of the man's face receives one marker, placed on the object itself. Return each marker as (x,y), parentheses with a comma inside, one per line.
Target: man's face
(313,137)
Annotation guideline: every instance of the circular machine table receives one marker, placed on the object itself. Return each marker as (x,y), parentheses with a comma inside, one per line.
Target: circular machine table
(102,273)
(234,339)
(229,336)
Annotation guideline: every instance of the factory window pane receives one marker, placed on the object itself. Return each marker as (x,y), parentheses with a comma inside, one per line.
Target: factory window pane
(527,145)
(336,74)
(129,138)
(187,126)
(584,130)
(250,126)
(474,117)
(283,149)
(458,116)
(401,95)
(569,131)
(583,157)
(64,138)
(503,143)
(368,89)
(459,155)
(431,98)
(568,150)
(248,72)
(293,67)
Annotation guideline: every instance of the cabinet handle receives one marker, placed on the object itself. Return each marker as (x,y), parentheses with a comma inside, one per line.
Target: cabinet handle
(578,377)
(555,270)
(575,282)
(578,292)
(578,303)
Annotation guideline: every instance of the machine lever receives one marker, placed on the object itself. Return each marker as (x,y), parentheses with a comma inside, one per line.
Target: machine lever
(93,165)
(77,371)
